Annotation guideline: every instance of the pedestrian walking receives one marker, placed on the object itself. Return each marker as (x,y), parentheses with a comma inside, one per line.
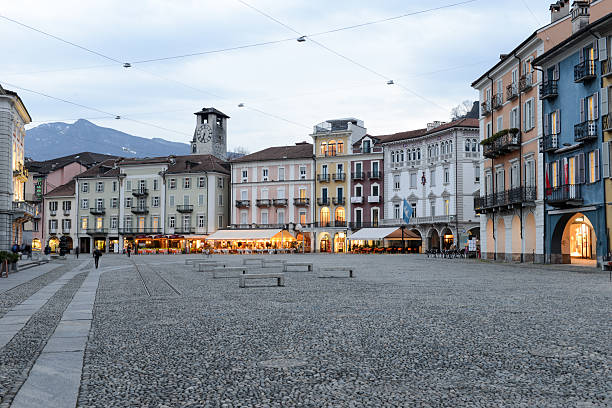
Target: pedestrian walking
(129,250)
(97,254)
(76,252)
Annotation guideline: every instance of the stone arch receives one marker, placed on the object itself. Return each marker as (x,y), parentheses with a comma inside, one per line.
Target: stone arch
(566,246)
(516,239)
(433,238)
(500,238)
(448,238)
(529,236)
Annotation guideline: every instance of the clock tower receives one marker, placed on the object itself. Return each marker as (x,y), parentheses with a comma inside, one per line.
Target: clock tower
(210,136)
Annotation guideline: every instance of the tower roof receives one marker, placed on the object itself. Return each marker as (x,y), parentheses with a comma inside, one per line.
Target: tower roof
(206,111)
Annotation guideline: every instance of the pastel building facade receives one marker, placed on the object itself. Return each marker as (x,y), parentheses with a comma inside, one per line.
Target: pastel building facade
(367,183)
(577,159)
(437,170)
(511,202)
(60,217)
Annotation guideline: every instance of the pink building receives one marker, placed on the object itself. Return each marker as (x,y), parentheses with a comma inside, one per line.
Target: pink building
(274,188)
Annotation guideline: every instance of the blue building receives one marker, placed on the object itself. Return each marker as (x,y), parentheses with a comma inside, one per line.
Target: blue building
(576,159)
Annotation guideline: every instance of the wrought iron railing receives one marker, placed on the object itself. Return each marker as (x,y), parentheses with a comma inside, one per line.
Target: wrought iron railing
(584,71)
(585,131)
(563,194)
(548,89)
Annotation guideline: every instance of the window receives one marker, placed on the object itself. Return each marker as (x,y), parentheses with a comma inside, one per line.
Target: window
(85,187)
(35,226)
(66,224)
(201,182)
(302,193)
(324,193)
(339,168)
(171,221)
(53,205)
(528,115)
(375,190)
(375,168)
(100,203)
(66,205)
(489,131)
(358,215)
(446,175)
(514,118)
(593,172)
(84,203)
(530,174)
(413,180)
(99,223)
(128,185)
(467,145)
(475,145)
(220,221)
(432,208)
(171,201)
(340,146)
(280,193)
(99,187)
(414,209)
(114,186)
(281,174)
(84,223)
(446,206)
(155,223)
(244,218)
(128,202)
(245,175)
(324,169)
(477,173)
(500,123)
(303,172)
(432,178)
(172,184)
(155,201)
(280,217)
(366,146)
(114,202)
(201,200)
(201,221)
(302,217)
(155,184)
(220,182)
(127,223)
(514,175)
(220,200)
(340,193)
(264,174)
(187,182)
(244,195)
(114,222)
(323,149)
(358,191)
(396,182)
(396,211)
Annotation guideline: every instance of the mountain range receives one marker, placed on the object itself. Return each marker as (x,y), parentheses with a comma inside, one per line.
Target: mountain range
(51,140)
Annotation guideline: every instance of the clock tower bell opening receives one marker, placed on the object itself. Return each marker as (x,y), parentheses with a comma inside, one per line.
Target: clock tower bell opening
(210,136)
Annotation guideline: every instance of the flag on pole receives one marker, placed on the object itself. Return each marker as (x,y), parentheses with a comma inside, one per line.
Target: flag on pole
(407,213)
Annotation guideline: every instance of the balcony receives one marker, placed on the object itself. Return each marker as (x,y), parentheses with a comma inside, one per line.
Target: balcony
(339,176)
(360,224)
(97,211)
(65,230)
(140,192)
(184,230)
(280,202)
(52,213)
(243,203)
(502,143)
(606,122)
(485,108)
(339,200)
(301,202)
(184,208)
(498,101)
(374,175)
(357,175)
(509,198)
(356,200)
(66,212)
(549,89)
(585,71)
(53,230)
(512,92)
(569,195)
(374,199)
(323,201)
(525,82)
(97,231)
(264,202)
(550,143)
(330,224)
(585,131)
(140,209)
(137,230)
(323,178)
(20,172)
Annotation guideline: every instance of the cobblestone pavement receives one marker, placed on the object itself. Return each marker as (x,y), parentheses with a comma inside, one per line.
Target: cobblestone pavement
(406,331)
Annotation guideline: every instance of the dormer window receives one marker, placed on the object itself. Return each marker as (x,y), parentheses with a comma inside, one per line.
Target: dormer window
(366,146)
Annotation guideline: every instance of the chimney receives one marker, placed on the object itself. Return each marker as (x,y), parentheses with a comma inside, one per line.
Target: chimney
(559,10)
(434,124)
(580,15)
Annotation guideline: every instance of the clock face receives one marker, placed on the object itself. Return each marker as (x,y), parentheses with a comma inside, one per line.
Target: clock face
(204,133)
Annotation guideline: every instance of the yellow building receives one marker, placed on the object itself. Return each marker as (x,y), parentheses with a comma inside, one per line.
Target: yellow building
(332,148)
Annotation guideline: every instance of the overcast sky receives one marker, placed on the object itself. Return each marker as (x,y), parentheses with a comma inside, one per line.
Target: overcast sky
(436,54)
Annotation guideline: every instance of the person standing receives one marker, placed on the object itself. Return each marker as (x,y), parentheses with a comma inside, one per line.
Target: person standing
(76,252)
(97,254)
(129,250)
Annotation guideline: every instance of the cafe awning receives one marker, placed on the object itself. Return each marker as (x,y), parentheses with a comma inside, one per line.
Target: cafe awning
(377,234)
(247,235)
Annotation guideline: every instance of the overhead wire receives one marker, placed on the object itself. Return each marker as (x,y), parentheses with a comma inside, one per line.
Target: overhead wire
(385,77)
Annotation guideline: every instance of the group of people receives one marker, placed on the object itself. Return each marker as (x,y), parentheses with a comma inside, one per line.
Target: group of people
(24,249)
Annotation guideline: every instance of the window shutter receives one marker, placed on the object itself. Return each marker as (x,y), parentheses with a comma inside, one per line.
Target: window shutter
(556,72)
(596,158)
(532,114)
(564,177)
(558,121)
(582,110)
(603,48)
(581,55)
(604,101)
(545,75)
(595,51)
(559,172)
(546,123)
(525,116)
(605,159)
(581,169)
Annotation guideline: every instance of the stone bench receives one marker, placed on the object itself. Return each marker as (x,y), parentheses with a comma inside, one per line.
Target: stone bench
(252,261)
(208,267)
(196,262)
(328,269)
(273,263)
(229,272)
(280,278)
(287,265)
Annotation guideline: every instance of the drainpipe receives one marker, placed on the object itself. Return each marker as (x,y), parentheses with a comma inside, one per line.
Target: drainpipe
(520,124)
(492,167)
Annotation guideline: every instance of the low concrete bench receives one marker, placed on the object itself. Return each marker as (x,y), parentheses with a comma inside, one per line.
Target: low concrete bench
(273,263)
(328,269)
(253,261)
(229,272)
(280,278)
(197,262)
(208,267)
(287,265)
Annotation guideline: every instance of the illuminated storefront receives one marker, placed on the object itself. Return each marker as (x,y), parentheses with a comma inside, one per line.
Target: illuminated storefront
(580,239)
(254,239)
